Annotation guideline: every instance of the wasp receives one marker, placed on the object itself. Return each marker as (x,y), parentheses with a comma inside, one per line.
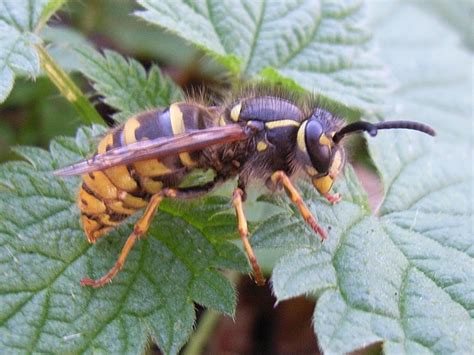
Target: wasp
(269,136)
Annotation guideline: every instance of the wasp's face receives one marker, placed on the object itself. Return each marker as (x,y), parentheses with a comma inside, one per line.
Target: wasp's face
(323,158)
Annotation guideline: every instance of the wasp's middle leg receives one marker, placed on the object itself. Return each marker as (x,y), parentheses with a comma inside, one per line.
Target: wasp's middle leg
(243,231)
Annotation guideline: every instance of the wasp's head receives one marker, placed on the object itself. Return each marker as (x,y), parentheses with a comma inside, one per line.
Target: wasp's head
(323,159)
(319,146)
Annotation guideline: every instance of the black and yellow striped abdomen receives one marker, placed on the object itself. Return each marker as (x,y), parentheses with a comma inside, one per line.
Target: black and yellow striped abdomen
(108,197)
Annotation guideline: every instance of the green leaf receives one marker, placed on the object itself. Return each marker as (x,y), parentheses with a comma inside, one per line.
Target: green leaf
(406,276)
(459,17)
(44,254)
(323,46)
(18,21)
(125,84)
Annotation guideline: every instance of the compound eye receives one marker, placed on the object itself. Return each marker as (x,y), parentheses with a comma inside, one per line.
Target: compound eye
(319,147)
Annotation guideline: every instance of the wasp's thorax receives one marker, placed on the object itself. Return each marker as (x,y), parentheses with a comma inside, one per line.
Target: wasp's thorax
(323,159)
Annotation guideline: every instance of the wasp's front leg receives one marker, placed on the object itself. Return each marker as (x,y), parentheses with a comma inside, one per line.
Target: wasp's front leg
(333,198)
(279,177)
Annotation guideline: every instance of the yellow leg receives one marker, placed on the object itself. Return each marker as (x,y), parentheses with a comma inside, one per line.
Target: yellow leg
(279,177)
(243,231)
(141,227)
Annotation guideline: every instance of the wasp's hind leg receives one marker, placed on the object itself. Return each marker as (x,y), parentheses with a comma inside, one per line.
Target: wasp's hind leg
(237,198)
(141,227)
(139,230)
(279,177)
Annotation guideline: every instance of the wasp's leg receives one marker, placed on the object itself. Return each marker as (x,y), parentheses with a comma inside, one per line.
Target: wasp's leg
(333,198)
(243,231)
(279,177)
(139,230)
(141,227)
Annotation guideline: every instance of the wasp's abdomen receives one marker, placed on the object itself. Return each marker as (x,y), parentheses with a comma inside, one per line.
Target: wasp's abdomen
(108,197)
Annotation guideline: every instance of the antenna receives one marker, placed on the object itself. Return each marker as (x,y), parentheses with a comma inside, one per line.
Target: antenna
(372,128)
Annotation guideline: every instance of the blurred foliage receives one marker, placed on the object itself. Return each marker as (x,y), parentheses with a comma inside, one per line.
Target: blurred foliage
(33,114)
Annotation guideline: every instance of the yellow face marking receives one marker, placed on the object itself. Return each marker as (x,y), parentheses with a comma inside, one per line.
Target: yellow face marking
(311,170)
(324,140)
(261,146)
(235,112)
(129,130)
(336,164)
(151,168)
(281,123)
(108,140)
(300,139)
(177,126)
(323,184)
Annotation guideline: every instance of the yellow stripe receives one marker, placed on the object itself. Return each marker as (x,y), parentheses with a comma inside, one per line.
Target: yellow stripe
(133,202)
(100,184)
(222,121)
(177,126)
(186,160)
(120,177)
(301,137)
(118,207)
(129,130)
(150,185)
(261,146)
(281,123)
(336,165)
(105,220)
(176,117)
(108,140)
(235,112)
(90,204)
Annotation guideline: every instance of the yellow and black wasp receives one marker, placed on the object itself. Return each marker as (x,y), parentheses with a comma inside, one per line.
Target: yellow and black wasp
(270,136)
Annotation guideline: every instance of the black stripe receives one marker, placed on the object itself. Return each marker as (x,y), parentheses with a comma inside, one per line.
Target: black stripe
(117,137)
(163,122)
(149,129)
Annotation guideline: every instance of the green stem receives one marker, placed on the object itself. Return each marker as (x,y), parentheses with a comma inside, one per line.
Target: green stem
(68,89)
(206,325)
(51,7)
(200,337)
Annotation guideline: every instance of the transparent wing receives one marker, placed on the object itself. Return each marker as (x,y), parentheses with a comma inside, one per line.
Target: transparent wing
(157,148)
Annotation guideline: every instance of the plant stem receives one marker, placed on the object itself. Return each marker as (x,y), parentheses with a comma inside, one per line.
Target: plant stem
(68,88)
(200,337)
(206,325)
(51,7)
